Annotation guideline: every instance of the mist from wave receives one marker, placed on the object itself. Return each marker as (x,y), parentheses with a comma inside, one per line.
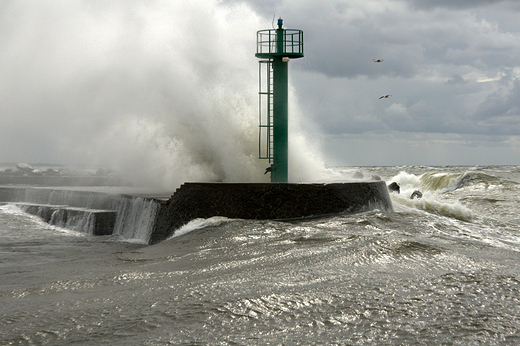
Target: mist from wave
(139,89)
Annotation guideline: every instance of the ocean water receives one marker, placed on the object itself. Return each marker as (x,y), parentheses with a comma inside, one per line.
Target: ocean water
(440,270)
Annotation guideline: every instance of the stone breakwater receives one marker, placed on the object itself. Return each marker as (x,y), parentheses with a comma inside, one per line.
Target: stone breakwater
(266,201)
(153,220)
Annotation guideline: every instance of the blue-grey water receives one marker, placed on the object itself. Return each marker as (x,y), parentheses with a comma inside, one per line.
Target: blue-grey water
(440,270)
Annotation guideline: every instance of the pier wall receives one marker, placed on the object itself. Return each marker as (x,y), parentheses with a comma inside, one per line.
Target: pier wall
(266,201)
(153,220)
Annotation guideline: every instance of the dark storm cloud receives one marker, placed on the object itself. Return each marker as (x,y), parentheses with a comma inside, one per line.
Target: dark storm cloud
(457,79)
(500,111)
(452,66)
(342,38)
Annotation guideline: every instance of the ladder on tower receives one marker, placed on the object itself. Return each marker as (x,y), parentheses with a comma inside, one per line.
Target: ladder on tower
(265,95)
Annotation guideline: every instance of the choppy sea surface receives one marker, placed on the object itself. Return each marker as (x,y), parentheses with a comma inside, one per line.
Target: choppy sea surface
(440,270)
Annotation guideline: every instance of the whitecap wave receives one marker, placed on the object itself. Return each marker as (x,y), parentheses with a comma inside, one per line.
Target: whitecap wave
(431,203)
(200,223)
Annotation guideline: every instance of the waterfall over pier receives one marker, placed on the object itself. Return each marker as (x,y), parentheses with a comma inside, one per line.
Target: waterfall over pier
(152,220)
(91,212)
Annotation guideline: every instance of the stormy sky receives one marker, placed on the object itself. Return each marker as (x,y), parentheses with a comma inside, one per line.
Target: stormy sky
(452,68)
(168,89)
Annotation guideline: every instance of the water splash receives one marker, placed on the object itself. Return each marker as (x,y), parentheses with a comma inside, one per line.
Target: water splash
(200,223)
(444,182)
(432,185)
(162,92)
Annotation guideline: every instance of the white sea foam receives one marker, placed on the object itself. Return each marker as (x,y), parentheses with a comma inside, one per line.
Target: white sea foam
(433,204)
(407,182)
(11,209)
(432,188)
(200,223)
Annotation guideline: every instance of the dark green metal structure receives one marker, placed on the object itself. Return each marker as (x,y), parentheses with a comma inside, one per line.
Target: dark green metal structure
(276,47)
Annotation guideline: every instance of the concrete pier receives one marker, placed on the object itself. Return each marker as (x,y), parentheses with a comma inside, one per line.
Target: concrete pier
(101,213)
(266,201)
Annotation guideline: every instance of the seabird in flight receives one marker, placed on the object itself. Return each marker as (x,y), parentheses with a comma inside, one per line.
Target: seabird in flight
(385,97)
(377,60)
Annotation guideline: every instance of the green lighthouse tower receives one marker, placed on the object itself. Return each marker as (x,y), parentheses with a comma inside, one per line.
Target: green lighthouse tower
(276,47)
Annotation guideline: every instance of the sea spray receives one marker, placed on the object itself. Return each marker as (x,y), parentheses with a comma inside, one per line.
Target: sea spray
(431,184)
(162,92)
(433,204)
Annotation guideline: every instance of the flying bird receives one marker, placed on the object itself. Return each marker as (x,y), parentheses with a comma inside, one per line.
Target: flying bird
(385,97)
(377,60)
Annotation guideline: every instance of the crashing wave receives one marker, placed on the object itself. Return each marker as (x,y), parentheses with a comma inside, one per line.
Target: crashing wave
(445,182)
